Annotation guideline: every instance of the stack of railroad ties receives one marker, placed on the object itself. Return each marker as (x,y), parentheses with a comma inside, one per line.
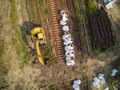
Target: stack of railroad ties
(68,43)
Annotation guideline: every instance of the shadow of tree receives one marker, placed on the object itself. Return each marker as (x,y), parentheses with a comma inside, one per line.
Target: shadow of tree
(26,29)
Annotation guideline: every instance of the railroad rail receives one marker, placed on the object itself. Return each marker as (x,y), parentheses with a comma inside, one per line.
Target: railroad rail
(55,29)
(76,26)
(81,47)
(84,23)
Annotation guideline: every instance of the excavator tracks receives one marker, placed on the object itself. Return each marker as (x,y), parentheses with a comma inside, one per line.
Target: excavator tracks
(55,29)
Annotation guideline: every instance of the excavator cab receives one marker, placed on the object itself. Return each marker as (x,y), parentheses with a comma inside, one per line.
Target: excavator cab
(38,33)
(38,36)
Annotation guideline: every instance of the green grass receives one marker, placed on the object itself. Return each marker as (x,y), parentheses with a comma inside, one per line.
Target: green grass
(52,87)
(17,39)
(114,81)
(76,32)
(52,58)
(97,51)
(26,59)
(13,14)
(3,65)
(1,51)
(78,15)
(47,54)
(43,11)
(44,7)
(78,10)
(91,8)
(117,66)
(32,11)
(20,46)
(3,68)
(50,55)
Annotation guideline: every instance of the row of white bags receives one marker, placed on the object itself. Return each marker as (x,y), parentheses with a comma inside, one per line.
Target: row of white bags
(68,43)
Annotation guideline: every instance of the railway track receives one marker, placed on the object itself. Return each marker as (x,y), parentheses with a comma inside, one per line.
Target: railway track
(75,26)
(80,27)
(55,29)
(84,23)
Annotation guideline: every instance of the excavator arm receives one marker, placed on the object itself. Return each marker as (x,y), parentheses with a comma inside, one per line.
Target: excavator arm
(39,53)
(38,36)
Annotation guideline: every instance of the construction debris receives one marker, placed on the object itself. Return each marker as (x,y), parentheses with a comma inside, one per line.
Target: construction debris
(98,80)
(109,3)
(76,84)
(101,78)
(114,72)
(107,88)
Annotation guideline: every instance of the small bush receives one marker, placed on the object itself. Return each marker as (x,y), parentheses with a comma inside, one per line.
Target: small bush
(1,51)
(52,87)
(91,8)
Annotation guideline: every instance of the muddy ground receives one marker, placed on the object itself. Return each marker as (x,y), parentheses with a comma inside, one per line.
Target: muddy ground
(17,75)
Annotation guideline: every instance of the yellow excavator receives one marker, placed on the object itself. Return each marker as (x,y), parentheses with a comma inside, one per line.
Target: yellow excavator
(38,36)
